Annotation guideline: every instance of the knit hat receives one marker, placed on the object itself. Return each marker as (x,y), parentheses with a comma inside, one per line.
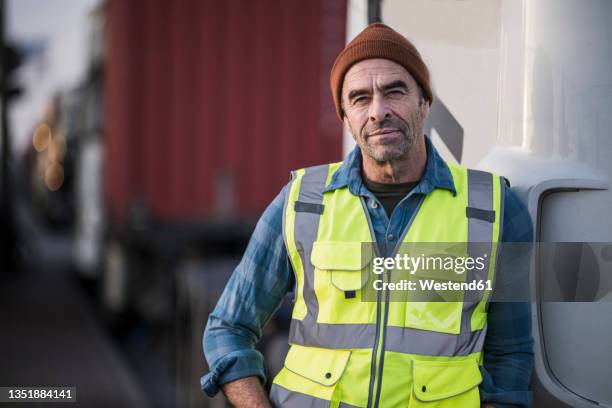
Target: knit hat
(379,41)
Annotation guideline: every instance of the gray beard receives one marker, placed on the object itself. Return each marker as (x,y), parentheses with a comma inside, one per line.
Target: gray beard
(410,129)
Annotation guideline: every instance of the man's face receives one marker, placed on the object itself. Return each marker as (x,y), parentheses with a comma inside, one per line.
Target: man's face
(383,108)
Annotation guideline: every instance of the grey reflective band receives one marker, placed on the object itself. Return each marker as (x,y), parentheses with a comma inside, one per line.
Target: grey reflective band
(480,199)
(399,339)
(429,343)
(313,184)
(306,229)
(334,336)
(480,237)
(282,397)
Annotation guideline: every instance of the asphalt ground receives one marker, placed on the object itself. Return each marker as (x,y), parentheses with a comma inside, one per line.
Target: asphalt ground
(49,335)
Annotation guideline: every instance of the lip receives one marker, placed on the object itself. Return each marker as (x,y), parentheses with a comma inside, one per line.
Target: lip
(383,132)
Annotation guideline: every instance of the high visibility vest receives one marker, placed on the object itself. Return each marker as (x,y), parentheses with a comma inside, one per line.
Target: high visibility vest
(346,352)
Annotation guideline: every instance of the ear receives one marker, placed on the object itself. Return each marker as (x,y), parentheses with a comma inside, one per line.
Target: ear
(425,109)
(345,120)
(348,126)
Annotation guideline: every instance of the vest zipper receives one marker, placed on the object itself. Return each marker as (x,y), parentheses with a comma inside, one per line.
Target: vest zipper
(378,355)
(384,338)
(375,352)
(375,357)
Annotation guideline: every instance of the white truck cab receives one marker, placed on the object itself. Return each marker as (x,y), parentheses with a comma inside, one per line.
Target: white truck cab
(523,88)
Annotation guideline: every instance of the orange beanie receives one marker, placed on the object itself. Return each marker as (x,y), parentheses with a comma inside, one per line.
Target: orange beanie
(379,41)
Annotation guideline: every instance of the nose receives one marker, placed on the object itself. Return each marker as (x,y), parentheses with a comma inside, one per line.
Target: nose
(379,109)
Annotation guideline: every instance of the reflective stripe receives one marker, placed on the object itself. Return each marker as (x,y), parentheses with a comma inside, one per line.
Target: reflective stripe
(334,336)
(480,236)
(282,397)
(305,232)
(399,339)
(428,343)
(480,196)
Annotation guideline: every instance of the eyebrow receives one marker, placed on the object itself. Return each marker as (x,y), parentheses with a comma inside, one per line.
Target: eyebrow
(357,92)
(391,85)
(395,84)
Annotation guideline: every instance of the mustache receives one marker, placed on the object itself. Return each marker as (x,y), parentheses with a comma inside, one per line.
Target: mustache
(387,123)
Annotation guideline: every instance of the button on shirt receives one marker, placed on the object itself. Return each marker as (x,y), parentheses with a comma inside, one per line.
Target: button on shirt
(264,276)
(389,194)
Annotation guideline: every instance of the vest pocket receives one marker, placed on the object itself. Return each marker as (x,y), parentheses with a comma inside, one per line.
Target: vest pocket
(452,383)
(323,366)
(310,373)
(346,263)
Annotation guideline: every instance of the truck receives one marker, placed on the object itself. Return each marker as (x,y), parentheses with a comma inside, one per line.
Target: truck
(523,89)
(194,113)
(206,106)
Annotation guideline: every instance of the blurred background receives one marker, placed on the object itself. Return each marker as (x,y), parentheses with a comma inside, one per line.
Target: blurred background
(142,139)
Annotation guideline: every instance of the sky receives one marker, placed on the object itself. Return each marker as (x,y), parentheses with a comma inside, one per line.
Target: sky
(59,30)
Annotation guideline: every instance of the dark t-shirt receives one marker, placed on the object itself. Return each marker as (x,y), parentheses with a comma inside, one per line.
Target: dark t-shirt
(389,195)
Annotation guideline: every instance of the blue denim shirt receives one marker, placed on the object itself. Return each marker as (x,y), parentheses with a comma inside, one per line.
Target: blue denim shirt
(264,276)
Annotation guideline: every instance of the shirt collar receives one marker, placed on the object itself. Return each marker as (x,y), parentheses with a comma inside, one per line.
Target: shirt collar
(437,174)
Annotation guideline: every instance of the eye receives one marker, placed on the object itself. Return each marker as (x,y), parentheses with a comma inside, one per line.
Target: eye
(360,100)
(395,92)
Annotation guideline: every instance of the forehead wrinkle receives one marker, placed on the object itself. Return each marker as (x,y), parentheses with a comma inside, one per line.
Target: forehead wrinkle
(363,74)
(372,72)
(365,84)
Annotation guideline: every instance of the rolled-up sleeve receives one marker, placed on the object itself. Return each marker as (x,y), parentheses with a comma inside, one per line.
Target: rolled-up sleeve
(254,292)
(508,347)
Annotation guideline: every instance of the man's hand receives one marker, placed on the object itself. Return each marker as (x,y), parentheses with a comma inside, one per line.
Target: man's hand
(246,393)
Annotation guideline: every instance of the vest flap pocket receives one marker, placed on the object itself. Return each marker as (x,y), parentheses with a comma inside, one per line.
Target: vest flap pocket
(345,261)
(344,256)
(323,366)
(436,380)
(348,280)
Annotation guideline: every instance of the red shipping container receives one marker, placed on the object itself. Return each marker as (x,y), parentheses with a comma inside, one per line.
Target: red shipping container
(209,104)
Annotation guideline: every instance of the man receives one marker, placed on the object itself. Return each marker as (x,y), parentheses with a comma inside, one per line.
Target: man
(392,188)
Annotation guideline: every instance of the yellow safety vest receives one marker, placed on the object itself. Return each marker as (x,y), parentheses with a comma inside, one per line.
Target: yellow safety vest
(346,352)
